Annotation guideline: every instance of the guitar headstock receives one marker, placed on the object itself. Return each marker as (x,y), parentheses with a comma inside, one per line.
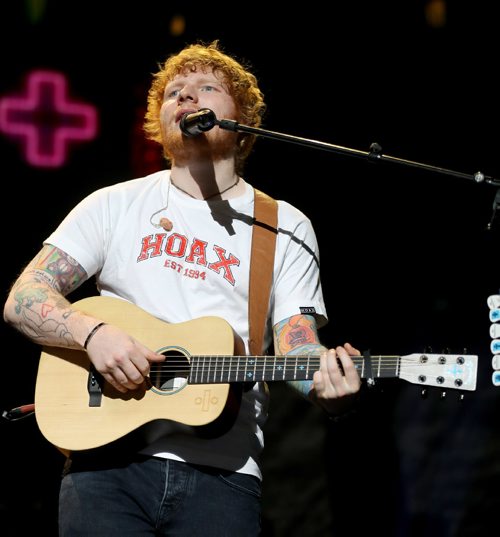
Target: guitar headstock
(457,371)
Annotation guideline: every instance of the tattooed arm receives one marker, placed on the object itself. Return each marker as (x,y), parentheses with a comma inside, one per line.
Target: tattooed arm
(36,304)
(37,307)
(334,386)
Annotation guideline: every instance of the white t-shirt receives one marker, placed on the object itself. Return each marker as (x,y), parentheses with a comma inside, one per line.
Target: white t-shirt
(200,267)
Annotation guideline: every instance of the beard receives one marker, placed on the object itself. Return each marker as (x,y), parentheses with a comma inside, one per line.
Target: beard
(214,145)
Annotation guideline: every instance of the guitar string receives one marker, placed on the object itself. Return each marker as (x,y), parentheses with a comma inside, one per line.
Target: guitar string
(268,364)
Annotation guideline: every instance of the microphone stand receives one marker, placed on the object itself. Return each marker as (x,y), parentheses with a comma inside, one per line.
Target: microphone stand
(374,154)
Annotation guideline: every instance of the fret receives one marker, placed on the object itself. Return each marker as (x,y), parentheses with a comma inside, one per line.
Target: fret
(280,367)
(230,369)
(362,372)
(222,369)
(250,361)
(301,370)
(237,372)
(194,371)
(212,368)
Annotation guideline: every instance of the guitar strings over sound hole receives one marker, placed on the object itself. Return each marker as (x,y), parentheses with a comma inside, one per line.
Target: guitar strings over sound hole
(172,374)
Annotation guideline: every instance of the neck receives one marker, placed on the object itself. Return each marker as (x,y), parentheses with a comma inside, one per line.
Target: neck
(218,192)
(217,181)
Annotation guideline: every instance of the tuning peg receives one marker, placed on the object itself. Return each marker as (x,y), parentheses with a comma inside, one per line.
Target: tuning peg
(461,397)
(493,302)
(423,393)
(443,395)
(495,378)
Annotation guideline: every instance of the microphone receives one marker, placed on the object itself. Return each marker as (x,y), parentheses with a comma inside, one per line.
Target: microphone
(197,122)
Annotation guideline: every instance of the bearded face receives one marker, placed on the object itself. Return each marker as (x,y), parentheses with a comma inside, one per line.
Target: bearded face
(189,92)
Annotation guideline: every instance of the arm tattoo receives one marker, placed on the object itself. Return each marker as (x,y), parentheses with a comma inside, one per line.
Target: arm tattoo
(39,294)
(59,270)
(298,335)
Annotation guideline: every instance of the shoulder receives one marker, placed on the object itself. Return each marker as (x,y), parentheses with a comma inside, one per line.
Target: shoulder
(135,185)
(128,191)
(286,211)
(293,219)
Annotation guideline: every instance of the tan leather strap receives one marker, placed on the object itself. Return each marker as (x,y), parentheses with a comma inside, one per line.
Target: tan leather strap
(265,229)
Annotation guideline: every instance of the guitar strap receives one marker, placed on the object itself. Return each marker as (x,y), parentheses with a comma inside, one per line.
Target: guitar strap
(265,229)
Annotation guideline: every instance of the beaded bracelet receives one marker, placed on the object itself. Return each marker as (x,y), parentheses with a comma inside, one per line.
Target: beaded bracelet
(92,332)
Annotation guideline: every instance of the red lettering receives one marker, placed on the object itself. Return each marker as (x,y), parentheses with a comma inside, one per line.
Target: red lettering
(198,250)
(176,245)
(149,244)
(224,264)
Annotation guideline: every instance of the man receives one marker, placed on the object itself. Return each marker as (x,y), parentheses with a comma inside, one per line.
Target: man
(177,244)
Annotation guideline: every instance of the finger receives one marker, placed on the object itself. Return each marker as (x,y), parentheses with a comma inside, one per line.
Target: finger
(156,357)
(352,350)
(318,382)
(142,361)
(123,373)
(352,380)
(139,368)
(149,355)
(117,385)
(333,366)
(328,381)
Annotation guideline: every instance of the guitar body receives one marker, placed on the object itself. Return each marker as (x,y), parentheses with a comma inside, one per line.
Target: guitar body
(62,401)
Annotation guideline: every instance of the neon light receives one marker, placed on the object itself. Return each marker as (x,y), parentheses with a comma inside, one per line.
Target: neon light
(46,120)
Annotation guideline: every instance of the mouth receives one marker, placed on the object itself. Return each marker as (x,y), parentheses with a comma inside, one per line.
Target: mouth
(183,112)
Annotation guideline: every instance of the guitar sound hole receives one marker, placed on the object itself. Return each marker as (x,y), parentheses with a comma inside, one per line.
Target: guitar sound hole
(172,374)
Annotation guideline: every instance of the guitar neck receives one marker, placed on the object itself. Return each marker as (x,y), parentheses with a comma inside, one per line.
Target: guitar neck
(227,369)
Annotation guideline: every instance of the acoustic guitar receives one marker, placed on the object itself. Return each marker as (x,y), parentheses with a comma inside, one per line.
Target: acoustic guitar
(76,410)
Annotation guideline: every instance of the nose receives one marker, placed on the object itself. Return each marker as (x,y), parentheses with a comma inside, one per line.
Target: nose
(187,93)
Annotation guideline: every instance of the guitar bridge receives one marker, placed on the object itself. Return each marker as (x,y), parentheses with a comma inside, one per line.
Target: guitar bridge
(94,387)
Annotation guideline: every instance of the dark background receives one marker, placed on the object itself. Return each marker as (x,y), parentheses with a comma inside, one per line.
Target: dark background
(407,260)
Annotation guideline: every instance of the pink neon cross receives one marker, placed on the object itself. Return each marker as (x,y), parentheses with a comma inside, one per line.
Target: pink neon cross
(46,119)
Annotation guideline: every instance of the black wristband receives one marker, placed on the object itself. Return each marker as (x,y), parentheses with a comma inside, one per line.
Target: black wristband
(92,332)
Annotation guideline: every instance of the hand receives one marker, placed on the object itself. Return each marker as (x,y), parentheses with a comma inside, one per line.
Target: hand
(123,361)
(336,386)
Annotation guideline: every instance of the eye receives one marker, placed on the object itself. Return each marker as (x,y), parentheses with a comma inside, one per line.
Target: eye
(172,93)
(207,88)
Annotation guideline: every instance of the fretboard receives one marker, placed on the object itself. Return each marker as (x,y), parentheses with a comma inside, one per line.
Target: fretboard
(227,369)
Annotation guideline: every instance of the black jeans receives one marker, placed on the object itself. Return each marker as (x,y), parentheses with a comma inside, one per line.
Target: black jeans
(156,497)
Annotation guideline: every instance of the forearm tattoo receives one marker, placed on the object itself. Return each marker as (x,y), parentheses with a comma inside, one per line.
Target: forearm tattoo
(298,335)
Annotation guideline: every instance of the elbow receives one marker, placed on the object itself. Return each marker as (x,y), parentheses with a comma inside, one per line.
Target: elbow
(9,310)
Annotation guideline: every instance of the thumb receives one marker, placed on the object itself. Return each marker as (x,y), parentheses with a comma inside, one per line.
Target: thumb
(156,357)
